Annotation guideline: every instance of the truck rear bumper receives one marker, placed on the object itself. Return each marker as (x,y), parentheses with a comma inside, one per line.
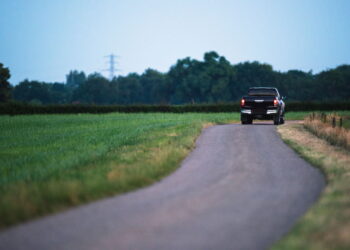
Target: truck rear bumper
(259,112)
(268,114)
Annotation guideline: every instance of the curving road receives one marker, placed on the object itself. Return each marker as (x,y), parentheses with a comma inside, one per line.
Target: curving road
(241,188)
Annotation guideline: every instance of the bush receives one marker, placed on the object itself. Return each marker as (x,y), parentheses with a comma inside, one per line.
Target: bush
(16,108)
(321,106)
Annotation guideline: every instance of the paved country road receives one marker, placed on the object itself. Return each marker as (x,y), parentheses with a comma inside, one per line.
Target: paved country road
(241,188)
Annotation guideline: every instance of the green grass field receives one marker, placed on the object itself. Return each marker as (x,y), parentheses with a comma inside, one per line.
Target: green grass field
(51,162)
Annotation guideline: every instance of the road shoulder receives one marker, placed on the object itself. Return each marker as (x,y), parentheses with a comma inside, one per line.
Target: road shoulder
(327,224)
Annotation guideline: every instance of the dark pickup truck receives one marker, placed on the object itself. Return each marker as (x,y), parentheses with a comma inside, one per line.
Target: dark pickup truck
(262,103)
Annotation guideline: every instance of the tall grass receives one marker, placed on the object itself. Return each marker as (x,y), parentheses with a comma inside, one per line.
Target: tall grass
(329,127)
(327,224)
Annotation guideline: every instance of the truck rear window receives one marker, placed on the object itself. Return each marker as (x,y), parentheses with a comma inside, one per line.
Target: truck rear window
(260,92)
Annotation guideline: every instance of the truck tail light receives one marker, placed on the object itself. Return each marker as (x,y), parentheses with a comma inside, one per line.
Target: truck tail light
(275,102)
(242,102)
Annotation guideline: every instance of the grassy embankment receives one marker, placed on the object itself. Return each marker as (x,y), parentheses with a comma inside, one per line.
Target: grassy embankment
(52,162)
(327,224)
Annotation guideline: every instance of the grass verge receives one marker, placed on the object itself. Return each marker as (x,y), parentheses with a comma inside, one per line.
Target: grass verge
(327,224)
(52,162)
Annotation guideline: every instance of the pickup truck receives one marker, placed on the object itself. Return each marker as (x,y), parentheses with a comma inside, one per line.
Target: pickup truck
(263,103)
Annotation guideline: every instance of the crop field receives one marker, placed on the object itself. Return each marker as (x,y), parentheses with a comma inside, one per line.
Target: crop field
(51,162)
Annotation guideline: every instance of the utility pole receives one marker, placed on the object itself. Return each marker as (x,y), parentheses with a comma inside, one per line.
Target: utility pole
(111,68)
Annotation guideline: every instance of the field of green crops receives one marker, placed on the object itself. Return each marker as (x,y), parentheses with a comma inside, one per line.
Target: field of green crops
(51,162)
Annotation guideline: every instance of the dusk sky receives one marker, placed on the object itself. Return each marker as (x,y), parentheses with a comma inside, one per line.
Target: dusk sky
(43,40)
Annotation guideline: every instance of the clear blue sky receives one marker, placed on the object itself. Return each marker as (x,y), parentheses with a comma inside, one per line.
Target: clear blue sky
(43,40)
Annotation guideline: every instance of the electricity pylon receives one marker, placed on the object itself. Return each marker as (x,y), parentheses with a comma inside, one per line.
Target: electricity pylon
(112,64)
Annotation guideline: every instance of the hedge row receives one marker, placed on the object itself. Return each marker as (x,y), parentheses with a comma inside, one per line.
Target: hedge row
(20,108)
(321,106)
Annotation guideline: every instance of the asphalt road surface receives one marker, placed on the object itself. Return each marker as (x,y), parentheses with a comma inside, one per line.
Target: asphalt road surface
(241,188)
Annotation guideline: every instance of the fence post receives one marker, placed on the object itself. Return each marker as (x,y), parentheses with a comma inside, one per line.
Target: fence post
(341,122)
(333,122)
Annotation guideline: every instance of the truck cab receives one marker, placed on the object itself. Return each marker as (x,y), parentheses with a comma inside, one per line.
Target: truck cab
(262,103)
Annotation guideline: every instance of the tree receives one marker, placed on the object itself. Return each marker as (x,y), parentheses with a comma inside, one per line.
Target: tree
(291,82)
(334,84)
(59,93)
(129,89)
(195,81)
(95,90)
(75,78)
(155,88)
(5,87)
(210,80)
(32,91)
(254,74)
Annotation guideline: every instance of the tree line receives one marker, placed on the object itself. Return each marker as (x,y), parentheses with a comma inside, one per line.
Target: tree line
(212,80)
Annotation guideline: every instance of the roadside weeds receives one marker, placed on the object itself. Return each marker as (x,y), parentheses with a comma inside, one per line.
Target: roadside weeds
(327,224)
(329,128)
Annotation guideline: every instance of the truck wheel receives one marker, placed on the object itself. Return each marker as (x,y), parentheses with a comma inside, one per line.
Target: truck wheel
(282,120)
(250,120)
(245,119)
(276,120)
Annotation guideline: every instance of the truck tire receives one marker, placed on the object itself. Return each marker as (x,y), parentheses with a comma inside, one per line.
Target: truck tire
(276,120)
(246,119)
(250,120)
(282,120)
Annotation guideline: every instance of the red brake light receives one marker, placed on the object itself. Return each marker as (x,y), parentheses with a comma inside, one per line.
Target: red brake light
(275,102)
(242,102)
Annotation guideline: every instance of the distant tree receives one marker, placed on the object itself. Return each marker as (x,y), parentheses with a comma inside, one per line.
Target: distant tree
(32,91)
(334,84)
(5,87)
(221,75)
(75,78)
(129,89)
(155,87)
(194,81)
(211,57)
(292,82)
(253,74)
(95,90)
(59,93)
(210,80)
